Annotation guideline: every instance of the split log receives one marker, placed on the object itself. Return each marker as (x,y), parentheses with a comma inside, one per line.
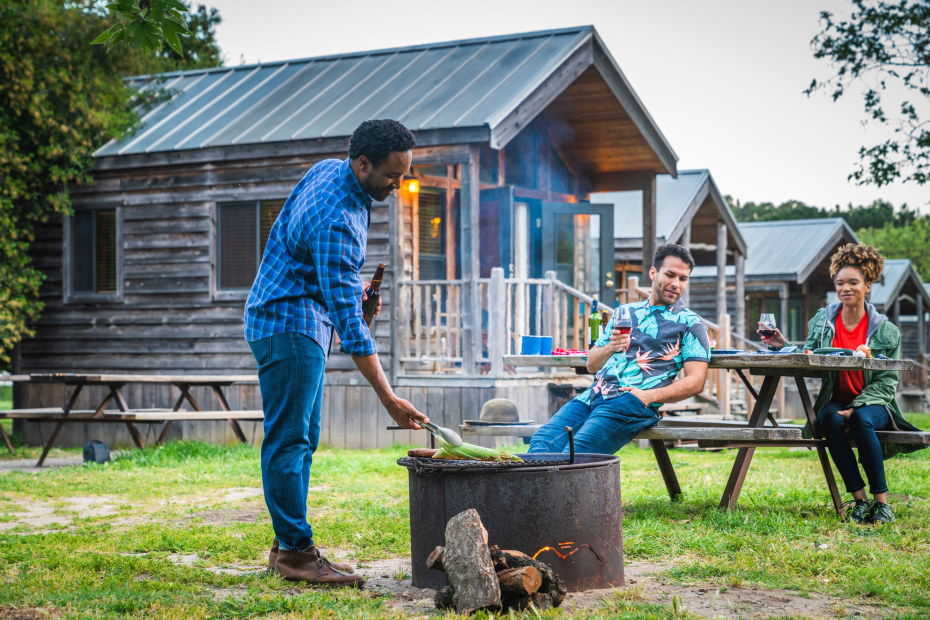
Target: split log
(467,561)
(444,597)
(520,581)
(552,584)
(434,560)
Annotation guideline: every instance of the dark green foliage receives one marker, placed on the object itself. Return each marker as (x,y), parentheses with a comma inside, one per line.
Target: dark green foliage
(903,242)
(61,98)
(886,47)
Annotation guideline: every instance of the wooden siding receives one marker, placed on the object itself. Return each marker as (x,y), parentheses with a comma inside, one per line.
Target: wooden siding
(168,319)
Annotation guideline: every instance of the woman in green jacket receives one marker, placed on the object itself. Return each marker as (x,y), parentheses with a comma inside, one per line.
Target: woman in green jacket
(860,401)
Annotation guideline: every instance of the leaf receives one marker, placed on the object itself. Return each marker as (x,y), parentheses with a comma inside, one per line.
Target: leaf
(107,34)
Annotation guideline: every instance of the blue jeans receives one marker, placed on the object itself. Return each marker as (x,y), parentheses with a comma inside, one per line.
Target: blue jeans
(290,374)
(862,423)
(603,427)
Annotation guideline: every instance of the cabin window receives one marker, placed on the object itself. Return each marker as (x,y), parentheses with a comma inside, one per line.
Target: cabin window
(242,232)
(92,265)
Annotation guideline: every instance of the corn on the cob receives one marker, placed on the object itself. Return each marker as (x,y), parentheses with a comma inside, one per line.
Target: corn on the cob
(471,452)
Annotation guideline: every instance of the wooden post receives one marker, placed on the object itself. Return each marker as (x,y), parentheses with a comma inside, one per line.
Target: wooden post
(649,224)
(396,270)
(686,243)
(549,310)
(897,311)
(497,338)
(783,308)
(740,282)
(920,324)
(723,385)
(470,210)
(721,271)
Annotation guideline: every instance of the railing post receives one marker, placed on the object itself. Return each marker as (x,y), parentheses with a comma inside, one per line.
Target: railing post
(549,309)
(723,386)
(497,322)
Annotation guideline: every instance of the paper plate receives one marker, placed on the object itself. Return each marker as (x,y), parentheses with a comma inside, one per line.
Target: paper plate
(725,351)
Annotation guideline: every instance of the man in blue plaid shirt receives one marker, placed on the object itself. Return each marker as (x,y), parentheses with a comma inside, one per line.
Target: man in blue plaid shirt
(307,286)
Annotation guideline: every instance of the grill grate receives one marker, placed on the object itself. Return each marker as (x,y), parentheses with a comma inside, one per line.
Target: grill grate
(421,465)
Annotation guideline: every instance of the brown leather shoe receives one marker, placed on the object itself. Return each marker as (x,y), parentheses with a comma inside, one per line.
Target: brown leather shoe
(273,557)
(309,566)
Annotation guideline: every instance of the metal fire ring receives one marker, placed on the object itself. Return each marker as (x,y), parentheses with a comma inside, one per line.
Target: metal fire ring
(438,467)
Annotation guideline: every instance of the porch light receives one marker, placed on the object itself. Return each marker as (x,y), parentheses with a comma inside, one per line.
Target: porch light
(412,186)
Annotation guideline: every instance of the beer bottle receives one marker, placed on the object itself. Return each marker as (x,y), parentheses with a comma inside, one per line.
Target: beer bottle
(594,323)
(370,305)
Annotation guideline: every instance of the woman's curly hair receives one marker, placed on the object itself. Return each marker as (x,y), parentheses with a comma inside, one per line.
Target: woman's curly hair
(865,258)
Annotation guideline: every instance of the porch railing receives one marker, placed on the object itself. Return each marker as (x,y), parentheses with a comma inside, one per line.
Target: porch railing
(435,325)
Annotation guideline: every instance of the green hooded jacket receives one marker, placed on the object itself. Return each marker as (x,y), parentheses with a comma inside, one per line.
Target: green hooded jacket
(880,386)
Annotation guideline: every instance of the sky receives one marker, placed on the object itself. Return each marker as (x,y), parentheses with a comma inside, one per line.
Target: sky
(723,79)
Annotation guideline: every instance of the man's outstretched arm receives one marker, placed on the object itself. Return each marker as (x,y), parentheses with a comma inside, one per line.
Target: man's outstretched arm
(404,413)
(690,385)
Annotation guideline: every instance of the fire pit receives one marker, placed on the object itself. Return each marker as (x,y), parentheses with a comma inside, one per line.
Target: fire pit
(563,512)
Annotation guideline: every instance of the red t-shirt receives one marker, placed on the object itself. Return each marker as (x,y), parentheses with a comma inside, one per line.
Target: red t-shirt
(849,384)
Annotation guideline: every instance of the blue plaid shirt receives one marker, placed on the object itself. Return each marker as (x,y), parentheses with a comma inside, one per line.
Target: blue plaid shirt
(309,281)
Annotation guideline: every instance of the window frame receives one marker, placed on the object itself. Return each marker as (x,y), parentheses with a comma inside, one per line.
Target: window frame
(68,293)
(234,294)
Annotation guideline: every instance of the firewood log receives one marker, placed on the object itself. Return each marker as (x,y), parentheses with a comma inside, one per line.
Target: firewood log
(467,562)
(540,600)
(435,558)
(519,581)
(551,582)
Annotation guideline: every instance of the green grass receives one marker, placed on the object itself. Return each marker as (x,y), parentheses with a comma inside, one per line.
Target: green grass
(784,535)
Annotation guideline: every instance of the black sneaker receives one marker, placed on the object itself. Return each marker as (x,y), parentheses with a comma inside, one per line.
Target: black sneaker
(860,512)
(881,513)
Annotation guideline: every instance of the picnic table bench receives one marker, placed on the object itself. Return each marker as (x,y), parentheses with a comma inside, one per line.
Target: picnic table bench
(66,414)
(754,433)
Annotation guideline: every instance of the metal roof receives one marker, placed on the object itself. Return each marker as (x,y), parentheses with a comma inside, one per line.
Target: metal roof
(677,200)
(673,197)
(475,83)
(787,249)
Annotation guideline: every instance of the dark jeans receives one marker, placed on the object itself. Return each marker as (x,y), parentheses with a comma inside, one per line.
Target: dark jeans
(602,427)
(862,423)
(290,374)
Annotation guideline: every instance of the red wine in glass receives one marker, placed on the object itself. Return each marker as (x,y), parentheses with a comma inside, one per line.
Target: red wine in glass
(622,320)
(767,327)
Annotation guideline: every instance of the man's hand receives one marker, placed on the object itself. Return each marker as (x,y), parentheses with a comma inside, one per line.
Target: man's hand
(405,414)
(846,413)
(365,285)
(618,342)
(642,395)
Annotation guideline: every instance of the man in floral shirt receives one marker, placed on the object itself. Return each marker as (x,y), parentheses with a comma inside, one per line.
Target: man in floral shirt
(636,371)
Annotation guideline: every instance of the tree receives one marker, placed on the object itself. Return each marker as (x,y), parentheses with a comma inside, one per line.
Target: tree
(874,215)
(886,46)
(60,99)
(903,242)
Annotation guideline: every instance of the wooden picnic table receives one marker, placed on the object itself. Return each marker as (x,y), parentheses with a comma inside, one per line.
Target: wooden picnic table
(772,367)
(130,417)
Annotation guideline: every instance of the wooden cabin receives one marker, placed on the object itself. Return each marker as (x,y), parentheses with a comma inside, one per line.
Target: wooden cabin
(691,212)
(497,240)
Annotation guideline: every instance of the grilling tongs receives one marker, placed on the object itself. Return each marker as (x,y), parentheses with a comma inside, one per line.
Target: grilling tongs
(445,434)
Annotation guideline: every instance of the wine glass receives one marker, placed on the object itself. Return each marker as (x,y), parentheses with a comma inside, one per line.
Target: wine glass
(767,326)
(623,322)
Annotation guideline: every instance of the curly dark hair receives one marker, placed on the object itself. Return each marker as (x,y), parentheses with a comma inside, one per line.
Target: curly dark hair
(865,258)
(378,139)
(672,249)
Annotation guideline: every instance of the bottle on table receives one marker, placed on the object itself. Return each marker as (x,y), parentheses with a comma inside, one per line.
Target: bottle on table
(370,305)
(594,323)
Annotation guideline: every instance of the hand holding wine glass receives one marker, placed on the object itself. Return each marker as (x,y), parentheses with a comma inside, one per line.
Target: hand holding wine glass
(769,331)
(623,326)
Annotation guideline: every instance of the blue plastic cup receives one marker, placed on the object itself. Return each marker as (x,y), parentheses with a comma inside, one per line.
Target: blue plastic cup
(529,345)
(545,345)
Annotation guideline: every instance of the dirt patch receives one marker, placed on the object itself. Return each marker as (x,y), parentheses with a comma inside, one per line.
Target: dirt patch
(235,515)
(644,582)
(26,613)
(239,493)
(40,514)
(29,465)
